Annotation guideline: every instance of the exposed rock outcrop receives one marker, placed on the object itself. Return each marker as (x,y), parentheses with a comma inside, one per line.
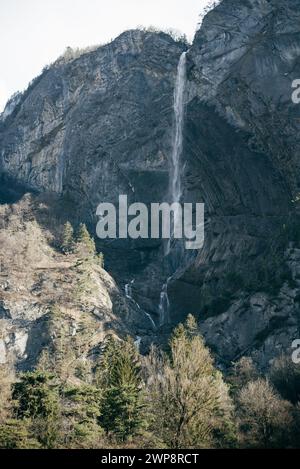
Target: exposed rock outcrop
(36,277)
(242,154)
(100,125)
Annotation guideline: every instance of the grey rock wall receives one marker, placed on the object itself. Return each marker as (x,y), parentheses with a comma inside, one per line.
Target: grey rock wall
(101,125)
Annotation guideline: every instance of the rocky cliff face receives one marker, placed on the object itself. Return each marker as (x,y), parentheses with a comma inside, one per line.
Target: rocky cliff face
(98,125)
(35,278)
(241,148)
(88,129)
(101,125)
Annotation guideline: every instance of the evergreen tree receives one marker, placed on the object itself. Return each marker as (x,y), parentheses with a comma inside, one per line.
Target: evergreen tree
(82,411)
(107,359)
(37,398)
(85,245)
(122,412)
(85,284)
(59,357)
(6,380)
(16,434)
(67,243)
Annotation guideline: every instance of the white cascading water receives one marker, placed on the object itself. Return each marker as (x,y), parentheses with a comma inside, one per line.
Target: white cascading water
(164,305)
(137,342)
(150,319)
(128,294)
(175,185)
(179,103)
(128,289)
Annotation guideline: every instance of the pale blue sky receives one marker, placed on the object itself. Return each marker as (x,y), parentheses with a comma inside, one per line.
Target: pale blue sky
(34,33)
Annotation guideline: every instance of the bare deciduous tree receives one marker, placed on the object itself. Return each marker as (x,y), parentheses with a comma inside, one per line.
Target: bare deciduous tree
(264,416)
(189,398)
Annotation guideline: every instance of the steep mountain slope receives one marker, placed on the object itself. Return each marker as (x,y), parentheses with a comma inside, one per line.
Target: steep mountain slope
(37,280)
(68,135)
(242,154)
(98,125)
(101,125)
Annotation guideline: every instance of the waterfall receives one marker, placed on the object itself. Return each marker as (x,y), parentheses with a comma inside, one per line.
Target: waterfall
(137,342)
(179,102)
(175,184)
(128,294)
(128,289)
(150,319)
(164,305)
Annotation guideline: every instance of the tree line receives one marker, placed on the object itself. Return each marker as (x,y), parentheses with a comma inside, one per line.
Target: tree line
(173,398)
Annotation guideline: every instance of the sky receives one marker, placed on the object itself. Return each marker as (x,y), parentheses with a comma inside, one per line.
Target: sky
(34,33)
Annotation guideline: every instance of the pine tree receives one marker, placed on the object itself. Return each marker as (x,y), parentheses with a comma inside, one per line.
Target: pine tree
(59,357)
(85,245)
(6,380)
(67,243)
(85,284)
(82,410)
(122,412)
(37,398)
(17,434)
